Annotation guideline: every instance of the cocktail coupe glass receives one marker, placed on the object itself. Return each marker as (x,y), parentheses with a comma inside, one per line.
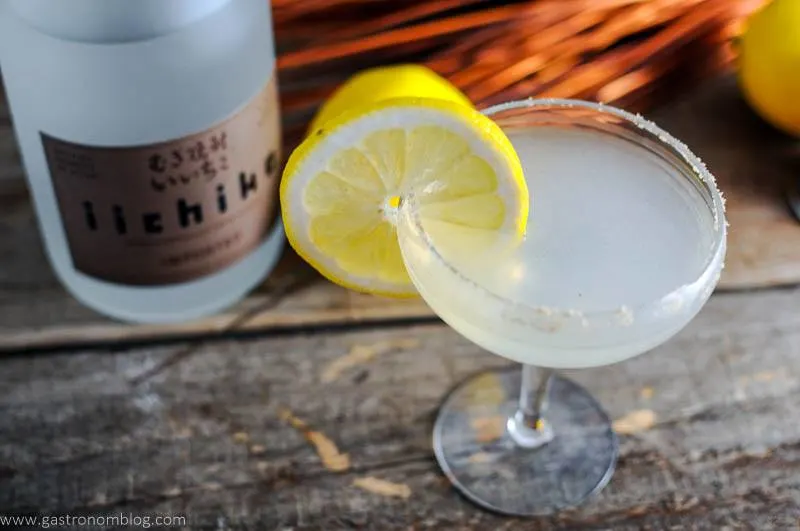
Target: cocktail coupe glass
(625,243)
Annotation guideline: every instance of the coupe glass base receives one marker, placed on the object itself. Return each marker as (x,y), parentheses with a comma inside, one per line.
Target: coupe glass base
(476,452)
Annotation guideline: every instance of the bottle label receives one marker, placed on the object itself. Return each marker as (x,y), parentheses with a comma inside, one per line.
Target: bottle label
(174,211)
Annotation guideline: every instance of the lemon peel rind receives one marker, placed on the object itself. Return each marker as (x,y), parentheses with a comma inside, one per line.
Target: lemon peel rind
(410,78)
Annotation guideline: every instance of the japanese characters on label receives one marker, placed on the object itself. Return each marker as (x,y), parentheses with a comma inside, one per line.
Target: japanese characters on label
(172,211)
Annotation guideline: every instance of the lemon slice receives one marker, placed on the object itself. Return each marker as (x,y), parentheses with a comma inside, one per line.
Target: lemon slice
(342,187)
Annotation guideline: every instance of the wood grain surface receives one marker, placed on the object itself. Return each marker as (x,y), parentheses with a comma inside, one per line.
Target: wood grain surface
(224,435)
(753,163)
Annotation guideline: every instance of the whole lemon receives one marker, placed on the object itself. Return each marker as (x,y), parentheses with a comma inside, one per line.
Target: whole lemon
(769,64)
(387,82)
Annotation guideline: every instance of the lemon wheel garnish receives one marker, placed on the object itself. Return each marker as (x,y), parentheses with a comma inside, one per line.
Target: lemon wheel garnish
(343,185)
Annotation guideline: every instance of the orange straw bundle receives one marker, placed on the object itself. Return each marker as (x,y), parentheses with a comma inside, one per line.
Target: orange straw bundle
(629,52)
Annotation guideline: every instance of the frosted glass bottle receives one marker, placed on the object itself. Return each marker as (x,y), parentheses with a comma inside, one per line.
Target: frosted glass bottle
(149,131)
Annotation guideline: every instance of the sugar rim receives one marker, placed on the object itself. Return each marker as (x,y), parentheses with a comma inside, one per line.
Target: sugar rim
(624,314)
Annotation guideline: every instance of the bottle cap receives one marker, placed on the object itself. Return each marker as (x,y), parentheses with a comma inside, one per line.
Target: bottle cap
(111,21)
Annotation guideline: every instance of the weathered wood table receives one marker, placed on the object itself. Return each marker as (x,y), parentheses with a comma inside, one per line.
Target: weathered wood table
(308,407)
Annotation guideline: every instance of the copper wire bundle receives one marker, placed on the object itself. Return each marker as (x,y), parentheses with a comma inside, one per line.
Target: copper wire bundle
(627,52)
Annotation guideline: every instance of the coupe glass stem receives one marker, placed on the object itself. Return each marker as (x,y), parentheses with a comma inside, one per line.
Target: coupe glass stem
(528,427)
